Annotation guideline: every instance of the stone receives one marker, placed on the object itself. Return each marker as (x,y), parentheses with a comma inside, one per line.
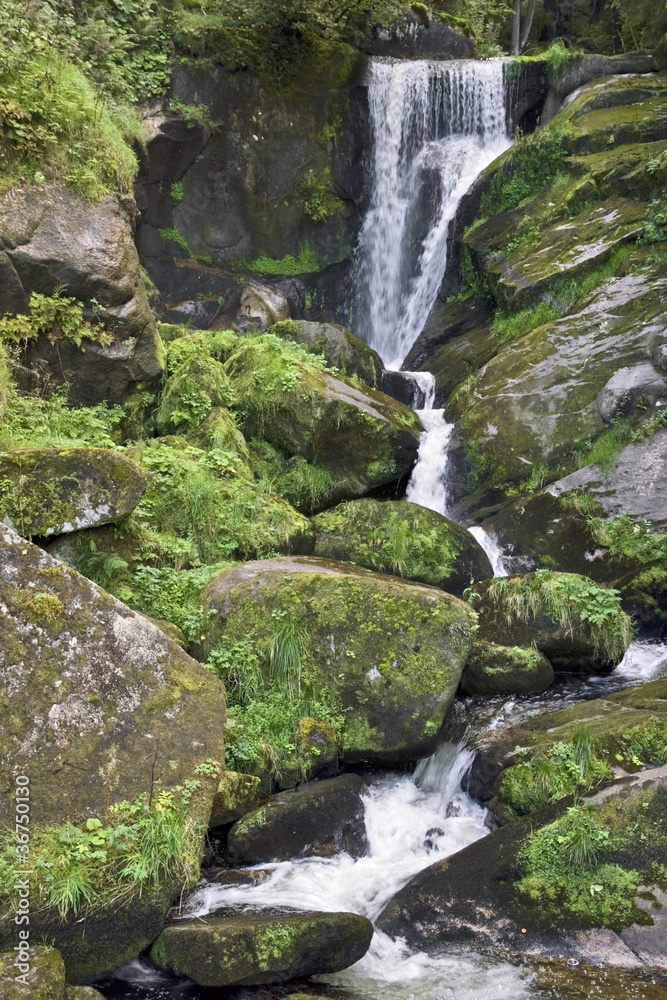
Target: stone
(404,387)
(317,747)
(83,993)
(87,680)
(45,978)
(359,437)
(417,36)
(319,819)
(341,349)
(630,389)
(52,491)
(260,307)
(403,539)
(637,483)
(660,54)
(236,795)
(550,611)
(51,237)
(493,670)
(233,947)
(390,650)
(196,393)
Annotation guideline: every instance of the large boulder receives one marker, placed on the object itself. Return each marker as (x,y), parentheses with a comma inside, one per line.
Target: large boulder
(98,705)
(341,348)
(319,819)
(51,237)
(422,35)
(577,624)
(390,651)
(53,491)
(265,946)
(236,795)
(359,437)
(480,899)
(404,539)
(492,670)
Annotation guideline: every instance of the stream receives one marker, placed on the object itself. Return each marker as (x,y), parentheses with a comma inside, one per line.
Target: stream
(434,128)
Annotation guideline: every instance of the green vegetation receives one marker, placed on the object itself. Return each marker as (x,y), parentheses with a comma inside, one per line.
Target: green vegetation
(35,422)
(305,263)
(139,846)
(56,316)
(529,167)
(568,767)
(510,326)
(319,201)
(573,601)
(606,448)
(646,744)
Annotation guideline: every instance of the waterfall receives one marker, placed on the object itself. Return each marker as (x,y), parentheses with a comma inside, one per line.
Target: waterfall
(434,127)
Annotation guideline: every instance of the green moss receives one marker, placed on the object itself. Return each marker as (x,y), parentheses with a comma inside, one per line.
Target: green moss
(528,168)
(305,263)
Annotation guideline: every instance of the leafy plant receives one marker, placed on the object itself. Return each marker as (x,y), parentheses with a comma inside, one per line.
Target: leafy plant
(55,315)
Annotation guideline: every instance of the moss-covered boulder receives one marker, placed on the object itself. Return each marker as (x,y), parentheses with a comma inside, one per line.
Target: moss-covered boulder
(319,819)
(98,707)
(37,973)
(342,350)
(358,436)
(317,743)
(50,491)
(493,670)
(266,946)
(195,387)
(236,795)
(403,539)
(388,652)
(577,624)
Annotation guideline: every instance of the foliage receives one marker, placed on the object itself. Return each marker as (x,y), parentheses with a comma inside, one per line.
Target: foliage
(196,116)
(508,327)
(646,743)
(139,846)
(566,768)
(575,602)
(560,865)
(305,263)
(530,166)
(31,421)
(56,316)
(319,201)
(656,221)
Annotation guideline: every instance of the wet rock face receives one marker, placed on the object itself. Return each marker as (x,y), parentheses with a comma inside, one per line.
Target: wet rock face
(265,946)
(630,388)
(319,819)
(492,670)
(52,491)
(403,539)
(392,651)
(49,237)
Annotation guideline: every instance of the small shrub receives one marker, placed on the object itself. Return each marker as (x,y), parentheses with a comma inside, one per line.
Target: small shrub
(55,315)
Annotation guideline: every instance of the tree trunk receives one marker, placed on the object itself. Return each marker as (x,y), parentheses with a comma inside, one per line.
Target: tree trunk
(530,13)
(516,29)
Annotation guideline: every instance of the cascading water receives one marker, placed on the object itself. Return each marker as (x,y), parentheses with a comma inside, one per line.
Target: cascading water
(435,126)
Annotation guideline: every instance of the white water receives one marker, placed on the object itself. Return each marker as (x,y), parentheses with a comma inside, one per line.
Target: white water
(411,822)
(435,126)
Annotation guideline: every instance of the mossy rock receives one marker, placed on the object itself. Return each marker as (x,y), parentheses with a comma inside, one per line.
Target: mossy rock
(236,795)
(342,350)
(360,437)
(44,974)
(197,385)
(390,651)
(492,670)
(317,743)
(319,819)
(576,624)
(51,491)
(623,111)
(94,687)
(233,947)
(83,993)
(403,539)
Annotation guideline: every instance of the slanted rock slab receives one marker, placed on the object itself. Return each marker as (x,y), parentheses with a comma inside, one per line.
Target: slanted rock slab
(52,491)
(233,946)
(319,819)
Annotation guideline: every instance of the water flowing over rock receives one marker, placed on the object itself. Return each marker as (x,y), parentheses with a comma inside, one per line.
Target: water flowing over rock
(434,128)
